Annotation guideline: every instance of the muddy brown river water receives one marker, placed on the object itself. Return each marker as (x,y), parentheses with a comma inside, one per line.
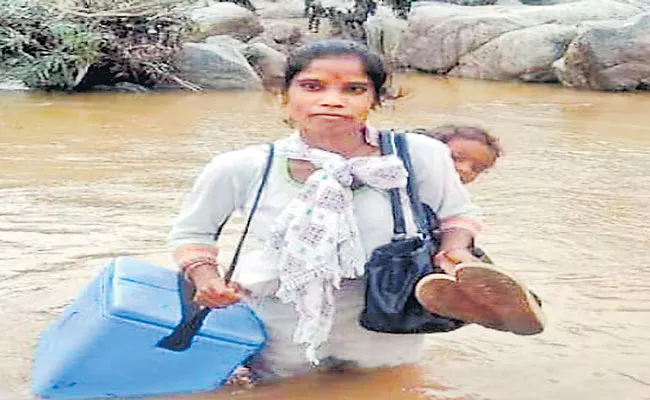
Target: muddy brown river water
(86,178)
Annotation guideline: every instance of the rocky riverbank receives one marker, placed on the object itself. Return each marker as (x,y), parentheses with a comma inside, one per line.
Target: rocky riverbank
(590,44)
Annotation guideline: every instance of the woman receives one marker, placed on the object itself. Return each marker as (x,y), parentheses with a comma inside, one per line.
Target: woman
(303,263)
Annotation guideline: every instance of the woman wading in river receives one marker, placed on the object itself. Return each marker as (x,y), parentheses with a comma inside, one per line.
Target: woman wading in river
(323,211)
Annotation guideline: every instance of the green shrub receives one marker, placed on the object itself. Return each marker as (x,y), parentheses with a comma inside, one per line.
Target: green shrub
(89,42)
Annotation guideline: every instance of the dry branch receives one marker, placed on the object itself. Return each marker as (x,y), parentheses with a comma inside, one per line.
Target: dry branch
(91,42)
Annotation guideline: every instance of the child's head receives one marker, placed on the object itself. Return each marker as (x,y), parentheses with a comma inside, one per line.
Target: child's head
(332,84)
(472,149)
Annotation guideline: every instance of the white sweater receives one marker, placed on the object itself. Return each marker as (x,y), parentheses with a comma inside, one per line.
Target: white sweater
(230,182)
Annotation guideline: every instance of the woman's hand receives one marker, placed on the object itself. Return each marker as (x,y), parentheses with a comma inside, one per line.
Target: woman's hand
(454,249)
(447,260)
(212,290)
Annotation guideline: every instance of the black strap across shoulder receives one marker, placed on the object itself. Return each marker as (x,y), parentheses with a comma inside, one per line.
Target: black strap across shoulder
(394,269)
(265,177)
(387,147)
(392,143)
(193,316)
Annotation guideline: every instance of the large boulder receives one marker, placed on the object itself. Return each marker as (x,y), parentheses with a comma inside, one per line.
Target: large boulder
(384,30)
(225,39)
(282,32)
(501,42)
(281,36)
(525,54)
(225,19)
(609,57)
(216,66)
(269,64)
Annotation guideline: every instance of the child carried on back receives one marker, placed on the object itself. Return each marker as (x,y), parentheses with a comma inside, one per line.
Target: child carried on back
(473,151)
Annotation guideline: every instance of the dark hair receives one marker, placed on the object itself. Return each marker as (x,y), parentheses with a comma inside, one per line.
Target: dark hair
(446,133)
(301,56)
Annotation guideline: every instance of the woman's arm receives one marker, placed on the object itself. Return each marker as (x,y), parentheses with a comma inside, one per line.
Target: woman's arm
(199,265)
(441,189)
(217,192)
(458,229)
(455,248)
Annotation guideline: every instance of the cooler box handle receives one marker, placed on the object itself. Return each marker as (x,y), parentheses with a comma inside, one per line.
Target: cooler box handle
(193,316)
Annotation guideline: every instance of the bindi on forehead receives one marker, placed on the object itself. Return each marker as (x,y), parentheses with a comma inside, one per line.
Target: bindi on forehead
(344,68)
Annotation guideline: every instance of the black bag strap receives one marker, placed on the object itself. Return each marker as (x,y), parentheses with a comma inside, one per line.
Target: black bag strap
(391,143)
(412,189)
(265,176)
(387,147)
(193,316)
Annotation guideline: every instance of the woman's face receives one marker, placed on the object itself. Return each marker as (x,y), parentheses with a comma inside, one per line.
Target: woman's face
(471,158)
(332,94)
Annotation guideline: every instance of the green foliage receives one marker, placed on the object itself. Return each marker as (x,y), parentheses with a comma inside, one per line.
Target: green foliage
(58,61)
(74,48)
(75,39)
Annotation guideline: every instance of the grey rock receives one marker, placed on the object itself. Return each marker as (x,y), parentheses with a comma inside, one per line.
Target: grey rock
(282,32)
(269,63)
(502,42)
(268,41)
(525,54)
(217,66)
(225,19)
(609,57)
(224,39)
(289,9)
(384,31)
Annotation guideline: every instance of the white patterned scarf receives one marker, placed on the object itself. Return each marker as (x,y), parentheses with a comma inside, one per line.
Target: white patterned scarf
(315,241)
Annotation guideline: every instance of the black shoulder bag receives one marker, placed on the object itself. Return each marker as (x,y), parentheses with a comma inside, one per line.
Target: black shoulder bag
(193,316)
(394,269)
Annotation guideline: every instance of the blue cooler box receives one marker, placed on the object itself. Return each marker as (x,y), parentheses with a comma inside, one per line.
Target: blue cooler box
(104,344)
